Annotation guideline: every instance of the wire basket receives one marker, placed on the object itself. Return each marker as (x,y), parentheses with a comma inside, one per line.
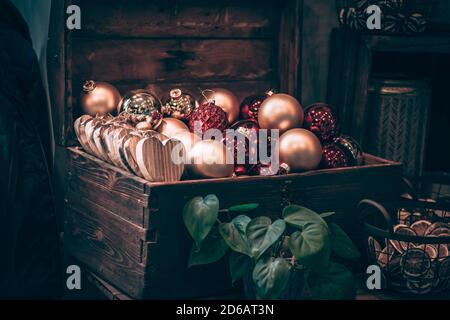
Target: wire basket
(410,244)
(397,16)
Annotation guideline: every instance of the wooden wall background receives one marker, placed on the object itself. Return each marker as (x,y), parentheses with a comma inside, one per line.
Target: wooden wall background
(163,44)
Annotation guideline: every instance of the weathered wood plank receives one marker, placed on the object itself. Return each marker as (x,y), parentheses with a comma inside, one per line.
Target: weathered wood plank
(106,223)
(191,18)
(91,241)
(289,55)
(108,290)
(172,60)
(128,207)
(104,174)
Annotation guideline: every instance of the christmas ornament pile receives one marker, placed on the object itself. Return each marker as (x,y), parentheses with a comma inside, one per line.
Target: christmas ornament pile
(182,137)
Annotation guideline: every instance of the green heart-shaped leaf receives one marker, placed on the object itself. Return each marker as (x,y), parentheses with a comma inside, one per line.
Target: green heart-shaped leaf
(271,277)
(244,207)
(241,222)
(311,246)
(199,216)
(213,248)
(234,234)
(262,233)
(341,244)
(336,284)
(239,265)
(298,216)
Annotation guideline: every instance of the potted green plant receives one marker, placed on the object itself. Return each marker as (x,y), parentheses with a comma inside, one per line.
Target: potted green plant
(289,258)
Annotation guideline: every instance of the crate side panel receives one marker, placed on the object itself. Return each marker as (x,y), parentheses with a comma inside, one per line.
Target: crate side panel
(107,185)
(338,190)
(168,274)
(105,246)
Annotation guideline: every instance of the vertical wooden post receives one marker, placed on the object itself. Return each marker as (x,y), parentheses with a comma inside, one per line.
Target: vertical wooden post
(56,70)
(289,52)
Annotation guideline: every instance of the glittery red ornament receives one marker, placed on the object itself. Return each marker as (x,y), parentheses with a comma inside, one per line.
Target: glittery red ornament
(209,116)
(333,156)
(245,140)
(320,120)
(250,106)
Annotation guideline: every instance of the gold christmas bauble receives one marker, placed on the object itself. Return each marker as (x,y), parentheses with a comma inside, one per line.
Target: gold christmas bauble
(99,98)
(300,149)
(208,160)
(280,111)
(170,126)
(224,99)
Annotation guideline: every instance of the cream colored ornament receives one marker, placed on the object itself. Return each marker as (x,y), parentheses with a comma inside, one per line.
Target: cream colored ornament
(300,149)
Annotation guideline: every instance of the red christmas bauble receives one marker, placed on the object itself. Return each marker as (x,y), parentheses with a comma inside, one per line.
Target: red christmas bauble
(250,105)
(320,120)
(245,141)
(208,116)
(333,156)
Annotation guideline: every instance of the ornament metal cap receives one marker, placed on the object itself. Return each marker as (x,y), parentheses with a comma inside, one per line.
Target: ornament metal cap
(284,169)
(270,92)
(210,100)
(89,86)
(175,93)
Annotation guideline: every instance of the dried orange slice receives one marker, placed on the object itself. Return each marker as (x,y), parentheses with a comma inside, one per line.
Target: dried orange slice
(415,263)
(441,232)
(429,200)
(434,226)
(441,213)
(442,250)
(403,229)
(420,227)
(430,250)
(386,255)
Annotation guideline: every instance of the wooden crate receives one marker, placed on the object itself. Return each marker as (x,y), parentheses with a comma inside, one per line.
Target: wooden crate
(130,231)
